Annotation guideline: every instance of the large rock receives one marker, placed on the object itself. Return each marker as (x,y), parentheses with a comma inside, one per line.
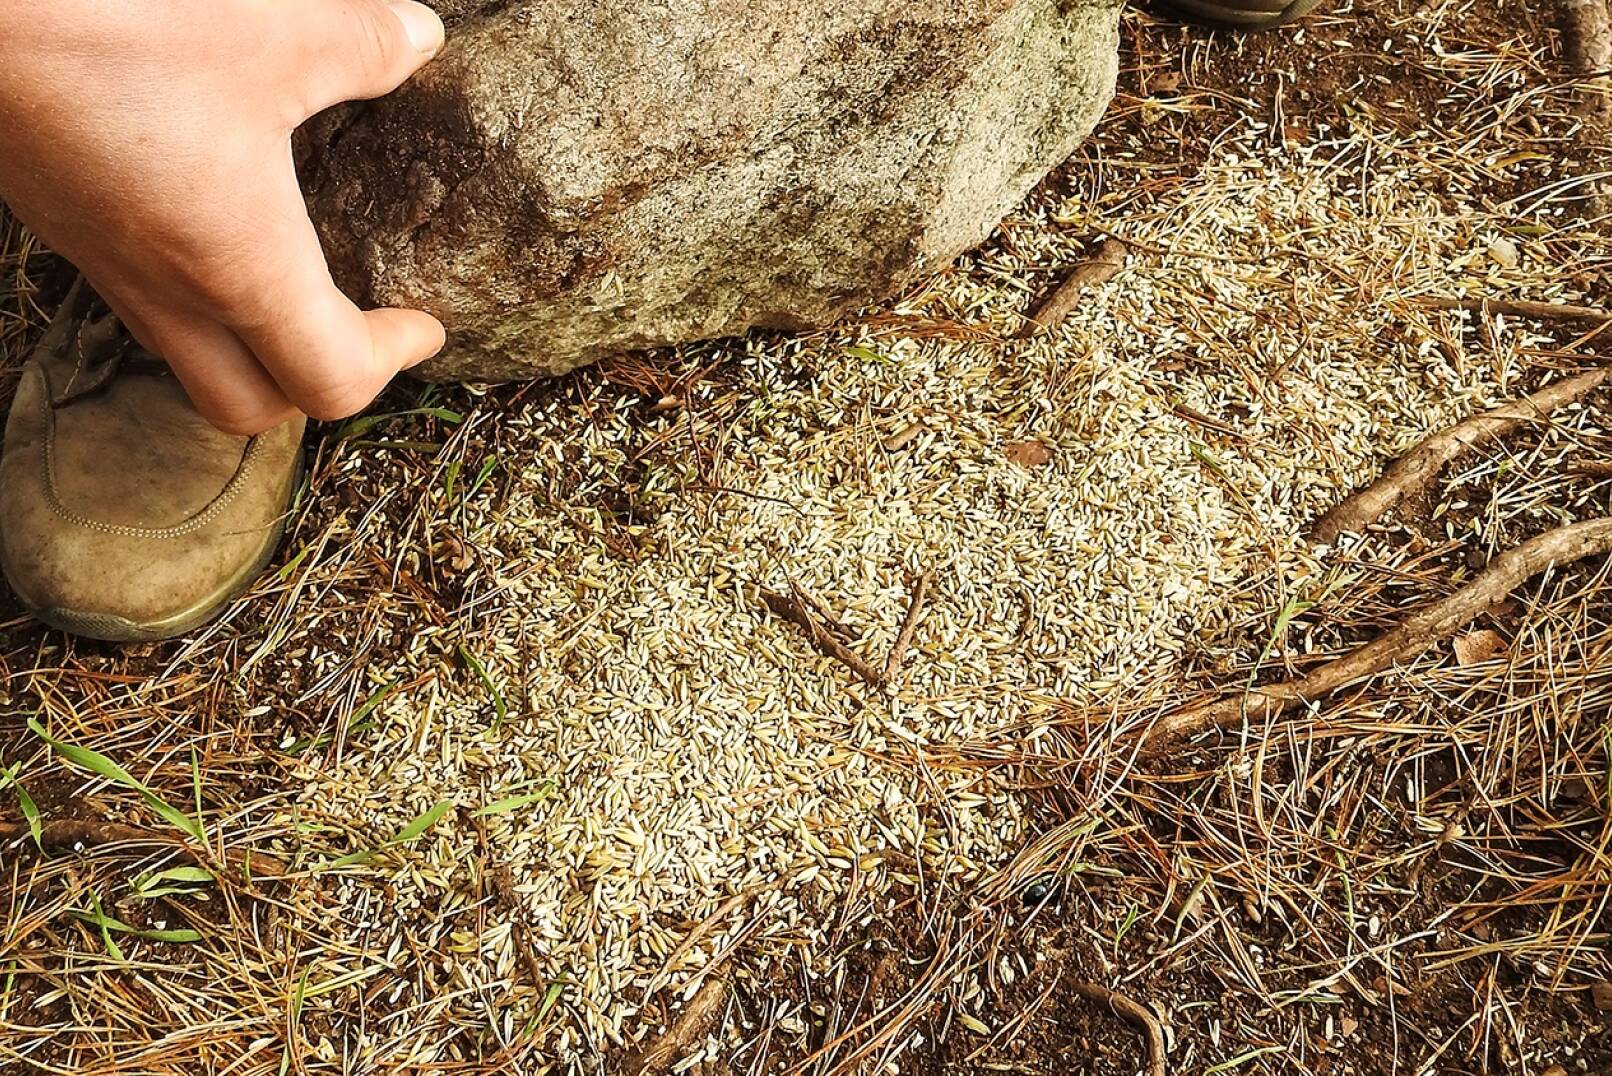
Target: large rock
(576,178)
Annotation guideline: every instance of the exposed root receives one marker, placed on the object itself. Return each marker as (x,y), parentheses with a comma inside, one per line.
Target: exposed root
(1589,51)
(692,1024)
(1519,308)
(1416,634)
(799,610)
(915,612)
(65,835)
(1109,259)
(1136,1013)
(1416,471)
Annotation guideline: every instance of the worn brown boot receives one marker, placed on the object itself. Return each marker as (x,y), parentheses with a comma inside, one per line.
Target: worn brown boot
(1244,14)
(124,515)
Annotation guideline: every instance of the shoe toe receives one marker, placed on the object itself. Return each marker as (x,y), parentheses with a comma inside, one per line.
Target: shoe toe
(130,520)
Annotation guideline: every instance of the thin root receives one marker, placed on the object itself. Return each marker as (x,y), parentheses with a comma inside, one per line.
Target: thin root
(1136,1013)
(1419,632)
(1416,471)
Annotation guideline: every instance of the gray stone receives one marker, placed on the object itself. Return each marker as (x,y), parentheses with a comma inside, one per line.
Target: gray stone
(576,178)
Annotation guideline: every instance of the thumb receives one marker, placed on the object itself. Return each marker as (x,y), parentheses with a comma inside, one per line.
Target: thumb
(368,48)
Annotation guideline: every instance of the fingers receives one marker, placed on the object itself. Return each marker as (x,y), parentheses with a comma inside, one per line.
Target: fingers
(227,385)
(329,358)
(367,48)
(332,359)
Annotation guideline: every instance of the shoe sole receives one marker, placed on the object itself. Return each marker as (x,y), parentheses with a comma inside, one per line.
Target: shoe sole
(1242,18)
(109,628)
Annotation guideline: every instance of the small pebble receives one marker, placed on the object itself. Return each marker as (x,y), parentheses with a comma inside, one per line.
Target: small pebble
(1503,252)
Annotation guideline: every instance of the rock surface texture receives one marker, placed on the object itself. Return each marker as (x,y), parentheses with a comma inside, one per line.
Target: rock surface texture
(576,178)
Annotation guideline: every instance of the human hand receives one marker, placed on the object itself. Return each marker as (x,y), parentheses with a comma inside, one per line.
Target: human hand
(149,143)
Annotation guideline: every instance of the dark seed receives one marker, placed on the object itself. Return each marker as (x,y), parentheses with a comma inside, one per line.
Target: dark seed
(1036,893)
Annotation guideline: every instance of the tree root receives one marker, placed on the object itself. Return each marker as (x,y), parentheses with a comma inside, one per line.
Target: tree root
(1134,1012)
(1418,632)
(1416,471)
(1589,51)
(915,612)
(1099,269)
(1518,308)
(693,1024)
(66,835)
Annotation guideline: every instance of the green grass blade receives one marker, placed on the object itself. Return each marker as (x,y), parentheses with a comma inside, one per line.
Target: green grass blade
(551,998)
(326,739)
(1295,608)
(25,803)
(195,788)
(291,565)
(500,710)
(112,925)
(100,919)
(179,880)
(359,426)
(408,833)
(485,473)
(296,1017)
(424,822)
(1131,916)
(514,803)
(175,937)
(358,721)
(98,763)
(30,814)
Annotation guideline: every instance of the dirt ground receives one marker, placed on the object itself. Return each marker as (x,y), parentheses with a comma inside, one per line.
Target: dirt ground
(1412,878)
(1243,989)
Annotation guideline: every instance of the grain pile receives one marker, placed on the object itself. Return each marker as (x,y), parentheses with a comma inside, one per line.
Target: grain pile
(1092,502)
(536,760)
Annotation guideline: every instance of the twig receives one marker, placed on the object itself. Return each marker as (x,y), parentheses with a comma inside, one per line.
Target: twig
(915,611)
(1109,259)
(1589,50)
(1592,469)
(692,1025)
(1416,471)
(820,612)
(1136,1013)
(706,925)
(1418,632)
(64,835)
(797,612)
(1520,308)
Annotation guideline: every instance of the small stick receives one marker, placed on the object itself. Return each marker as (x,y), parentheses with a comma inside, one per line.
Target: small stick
(1416,634)
(1109,259)
(1521,308)
(1136,1013)
(796,611)
(1592,469)
(820,611)
(64,835)
(692,1025)
(915,610)
(1417,470)
(903,437)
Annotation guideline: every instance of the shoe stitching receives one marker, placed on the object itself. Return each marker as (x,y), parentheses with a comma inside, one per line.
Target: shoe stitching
(190,526)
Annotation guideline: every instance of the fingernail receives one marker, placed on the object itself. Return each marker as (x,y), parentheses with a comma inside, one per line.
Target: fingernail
(424,28)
